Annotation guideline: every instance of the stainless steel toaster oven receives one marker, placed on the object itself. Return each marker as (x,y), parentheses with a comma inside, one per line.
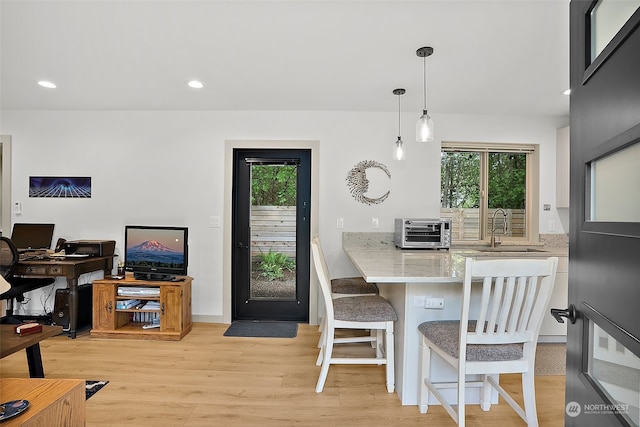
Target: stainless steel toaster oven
(422,233)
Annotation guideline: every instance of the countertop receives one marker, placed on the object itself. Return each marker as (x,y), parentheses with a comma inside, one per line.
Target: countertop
(379,260)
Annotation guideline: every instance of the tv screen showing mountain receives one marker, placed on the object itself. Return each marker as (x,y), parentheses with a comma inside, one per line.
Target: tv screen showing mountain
(152,253)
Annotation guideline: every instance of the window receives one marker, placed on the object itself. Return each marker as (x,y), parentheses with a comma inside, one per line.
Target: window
(487,187)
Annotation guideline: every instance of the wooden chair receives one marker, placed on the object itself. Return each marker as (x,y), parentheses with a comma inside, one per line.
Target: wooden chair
(347,287)
(502,338)
(369,312)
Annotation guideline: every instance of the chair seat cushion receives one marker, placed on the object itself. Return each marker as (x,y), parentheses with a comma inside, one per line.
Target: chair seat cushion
(446,335)
(352,285)
(364,309)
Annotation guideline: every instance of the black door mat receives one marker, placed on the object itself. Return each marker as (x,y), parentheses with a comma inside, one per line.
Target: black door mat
(262,329)
(92,387)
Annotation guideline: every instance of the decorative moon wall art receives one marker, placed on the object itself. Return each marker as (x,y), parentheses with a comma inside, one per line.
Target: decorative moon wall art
(358,183)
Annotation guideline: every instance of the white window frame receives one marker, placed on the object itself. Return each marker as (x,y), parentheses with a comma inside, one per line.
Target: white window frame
(532,188)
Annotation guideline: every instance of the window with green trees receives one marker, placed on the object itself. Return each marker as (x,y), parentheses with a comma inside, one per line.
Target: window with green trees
(476,180)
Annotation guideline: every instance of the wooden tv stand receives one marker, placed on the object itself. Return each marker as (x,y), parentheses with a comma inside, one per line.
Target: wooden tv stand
(174,311)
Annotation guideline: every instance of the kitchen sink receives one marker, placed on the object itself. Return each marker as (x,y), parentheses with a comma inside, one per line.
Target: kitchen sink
(509,249)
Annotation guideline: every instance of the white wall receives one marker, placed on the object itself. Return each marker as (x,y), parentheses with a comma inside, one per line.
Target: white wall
(168,168)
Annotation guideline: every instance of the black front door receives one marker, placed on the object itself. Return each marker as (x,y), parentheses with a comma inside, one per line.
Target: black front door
(603,345)
(271,234)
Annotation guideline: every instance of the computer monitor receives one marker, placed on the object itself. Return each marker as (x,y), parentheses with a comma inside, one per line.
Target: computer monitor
(32,236)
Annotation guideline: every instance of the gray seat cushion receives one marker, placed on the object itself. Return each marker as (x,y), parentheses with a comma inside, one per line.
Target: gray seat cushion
(364,309)
(446,335)
(352,285)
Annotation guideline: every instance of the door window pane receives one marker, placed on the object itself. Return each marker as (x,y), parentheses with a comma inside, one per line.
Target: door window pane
(614,191)
(616,371)
(607,18)
(273,231)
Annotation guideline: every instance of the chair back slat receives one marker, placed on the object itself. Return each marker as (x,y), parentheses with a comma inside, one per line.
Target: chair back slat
(530,299)
(517,305)
(515,294)
(323,275)
(505,307)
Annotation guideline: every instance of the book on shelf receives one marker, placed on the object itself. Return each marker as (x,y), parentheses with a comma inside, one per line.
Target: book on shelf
(137,291)
(146,317)
(151,305)
(128,303)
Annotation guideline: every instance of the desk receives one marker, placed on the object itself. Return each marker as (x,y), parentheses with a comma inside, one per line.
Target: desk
(71,269)
(51,402)
(11,342)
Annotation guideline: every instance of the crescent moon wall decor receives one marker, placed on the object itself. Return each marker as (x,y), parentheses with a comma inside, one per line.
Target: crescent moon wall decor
(358,183)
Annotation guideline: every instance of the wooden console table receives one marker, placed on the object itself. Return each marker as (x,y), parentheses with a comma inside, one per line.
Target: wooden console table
(173,309)
(10,342)
(71,269)
(58,402)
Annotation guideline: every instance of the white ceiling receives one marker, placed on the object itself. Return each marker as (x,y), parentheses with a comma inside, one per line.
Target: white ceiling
(491,57)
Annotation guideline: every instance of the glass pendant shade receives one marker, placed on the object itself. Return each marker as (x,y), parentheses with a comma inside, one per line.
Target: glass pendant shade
(398,150)
(424,128)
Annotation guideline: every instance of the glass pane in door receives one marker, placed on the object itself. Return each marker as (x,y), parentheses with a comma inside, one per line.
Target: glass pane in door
(273,231)
(616,371)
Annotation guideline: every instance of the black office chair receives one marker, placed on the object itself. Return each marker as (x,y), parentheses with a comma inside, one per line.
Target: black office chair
(9,258)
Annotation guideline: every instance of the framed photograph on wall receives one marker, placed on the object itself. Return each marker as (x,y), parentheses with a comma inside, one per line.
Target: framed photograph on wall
(60,187)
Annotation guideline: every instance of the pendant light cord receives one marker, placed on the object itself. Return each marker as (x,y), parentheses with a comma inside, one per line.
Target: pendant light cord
(399,115)
(424,75)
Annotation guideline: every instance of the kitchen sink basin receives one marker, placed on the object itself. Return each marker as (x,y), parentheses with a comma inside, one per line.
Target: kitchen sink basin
(509,249)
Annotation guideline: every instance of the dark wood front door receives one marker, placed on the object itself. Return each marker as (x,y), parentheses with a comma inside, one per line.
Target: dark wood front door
(271,234)
(603,346)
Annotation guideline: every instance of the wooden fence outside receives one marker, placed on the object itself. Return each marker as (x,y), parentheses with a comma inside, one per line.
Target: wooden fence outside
(273,227)
(465,223)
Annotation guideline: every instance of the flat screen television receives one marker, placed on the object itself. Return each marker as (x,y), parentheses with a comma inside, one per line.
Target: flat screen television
(156,253)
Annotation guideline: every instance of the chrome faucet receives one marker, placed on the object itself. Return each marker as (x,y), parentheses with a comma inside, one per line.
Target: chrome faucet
(493,228)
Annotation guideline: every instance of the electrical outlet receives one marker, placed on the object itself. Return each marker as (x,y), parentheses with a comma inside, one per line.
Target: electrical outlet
(434,302)
(340,223)
(552,225)
(418,301)
(374,223)
(214,222)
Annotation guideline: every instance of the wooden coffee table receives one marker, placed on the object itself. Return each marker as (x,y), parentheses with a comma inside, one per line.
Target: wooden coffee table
(10,342)
(54,402)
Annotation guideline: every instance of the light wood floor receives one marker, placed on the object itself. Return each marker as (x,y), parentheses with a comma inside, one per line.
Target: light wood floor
(208,379)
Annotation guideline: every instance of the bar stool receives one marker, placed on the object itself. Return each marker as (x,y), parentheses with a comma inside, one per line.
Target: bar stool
(369,312)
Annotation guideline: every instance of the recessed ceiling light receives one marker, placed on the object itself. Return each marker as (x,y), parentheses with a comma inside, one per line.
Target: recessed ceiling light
(47,84)
(567,92)
(195,84)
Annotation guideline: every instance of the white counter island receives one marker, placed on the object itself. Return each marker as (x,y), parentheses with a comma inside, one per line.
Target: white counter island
(405,278)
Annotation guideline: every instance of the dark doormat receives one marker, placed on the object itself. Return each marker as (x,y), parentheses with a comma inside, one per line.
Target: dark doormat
(262,329)
(92,387)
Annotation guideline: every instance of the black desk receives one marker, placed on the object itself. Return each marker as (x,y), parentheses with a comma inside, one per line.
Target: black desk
(71,269)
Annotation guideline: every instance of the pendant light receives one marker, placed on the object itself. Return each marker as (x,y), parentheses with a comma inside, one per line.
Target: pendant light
(398,150)
(424,126)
